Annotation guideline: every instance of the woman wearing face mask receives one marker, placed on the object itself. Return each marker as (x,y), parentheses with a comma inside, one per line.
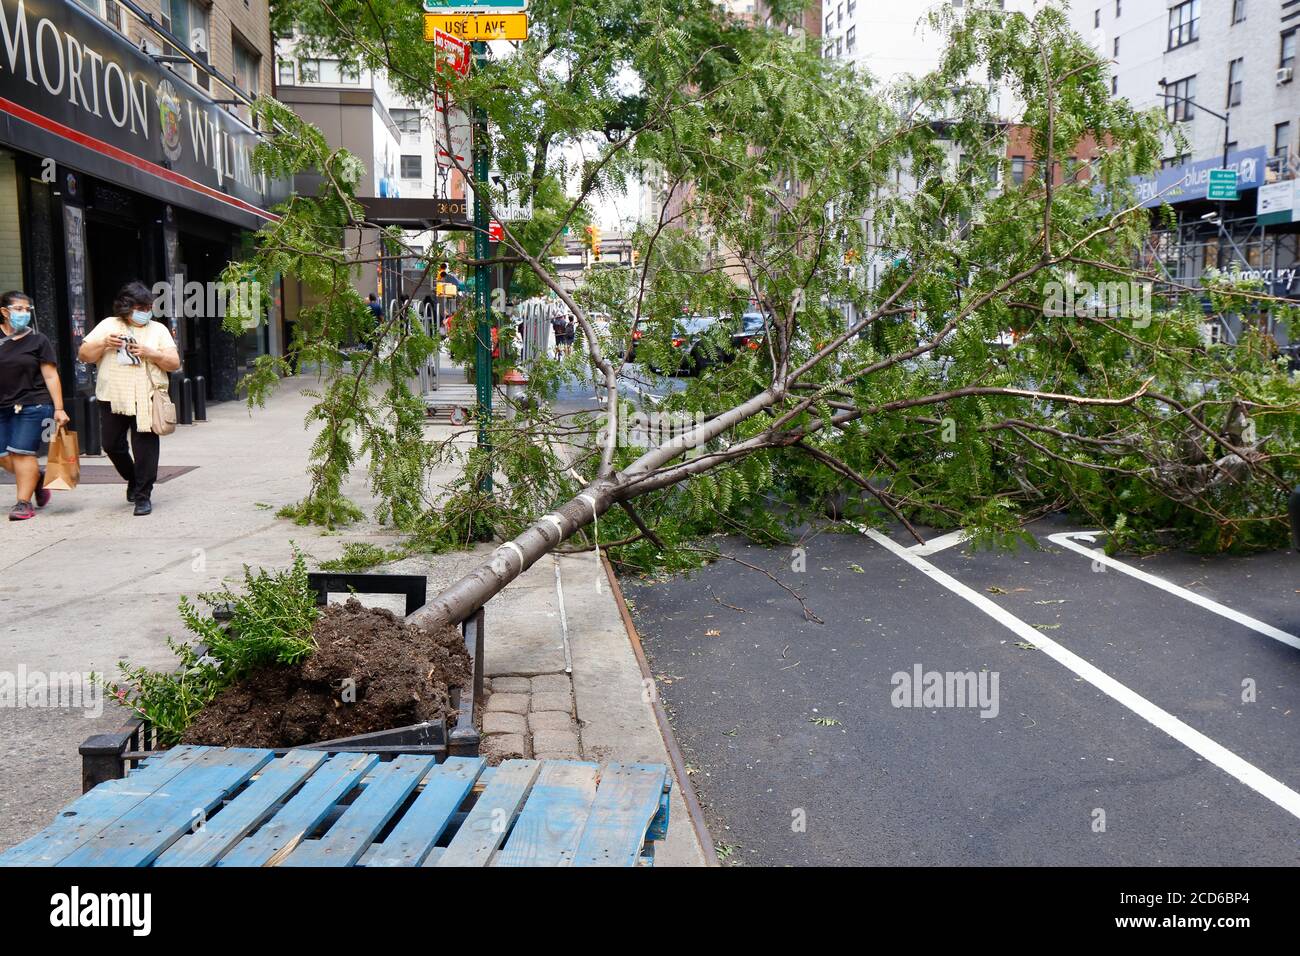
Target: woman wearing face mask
(30,398)
(134,354)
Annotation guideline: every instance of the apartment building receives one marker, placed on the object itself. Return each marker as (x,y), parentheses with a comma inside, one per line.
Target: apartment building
(408,182)
(125,153)
(1225,72)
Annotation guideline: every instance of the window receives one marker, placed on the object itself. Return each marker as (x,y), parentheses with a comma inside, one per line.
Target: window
(1184,23)
(1235,70)
(284,72)
(1096,17)
(1180,99)
(412,167)
(407,121)
(1018,170)
(1119,7)
(248,64)
(839,46)
(839,15)
(1238,10)
(1173,162)
(1114,86)
(1287,58)
(850,6)
(830,22)
(1115,48)
(1282,140)
(107,10)
(850,39)
(328,71)
(189,23)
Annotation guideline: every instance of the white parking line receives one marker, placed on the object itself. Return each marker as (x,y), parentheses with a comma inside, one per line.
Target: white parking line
(941,543)
(1064,539)
(1193,739)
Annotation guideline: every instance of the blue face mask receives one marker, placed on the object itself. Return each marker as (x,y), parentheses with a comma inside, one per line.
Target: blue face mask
(19,321)
(140,318)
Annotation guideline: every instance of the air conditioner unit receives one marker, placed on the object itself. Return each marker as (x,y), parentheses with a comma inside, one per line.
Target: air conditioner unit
(1284,74)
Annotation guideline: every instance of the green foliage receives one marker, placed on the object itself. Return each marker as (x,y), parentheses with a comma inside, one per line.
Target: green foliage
(269,623)
(785,173)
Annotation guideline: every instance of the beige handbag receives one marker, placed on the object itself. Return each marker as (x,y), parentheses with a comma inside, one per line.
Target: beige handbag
(164,413)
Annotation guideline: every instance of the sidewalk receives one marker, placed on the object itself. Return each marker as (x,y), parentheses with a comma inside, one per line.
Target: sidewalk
(86,583)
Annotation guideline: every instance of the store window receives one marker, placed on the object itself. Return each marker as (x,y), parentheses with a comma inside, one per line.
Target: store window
(11,236)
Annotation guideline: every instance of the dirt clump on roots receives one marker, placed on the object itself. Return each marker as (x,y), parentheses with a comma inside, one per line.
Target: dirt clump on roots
(402,675)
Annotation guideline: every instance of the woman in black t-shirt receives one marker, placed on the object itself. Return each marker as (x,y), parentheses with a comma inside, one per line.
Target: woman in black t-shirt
(31,401)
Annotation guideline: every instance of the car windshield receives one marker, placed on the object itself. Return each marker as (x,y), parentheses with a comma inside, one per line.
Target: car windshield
(695,324)
(751,322)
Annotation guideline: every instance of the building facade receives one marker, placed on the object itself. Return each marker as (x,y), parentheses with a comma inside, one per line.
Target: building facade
(398,141)
(125,153)
(1225,73)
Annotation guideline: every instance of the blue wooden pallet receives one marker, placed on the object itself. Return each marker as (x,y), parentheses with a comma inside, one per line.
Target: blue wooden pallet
(212,806)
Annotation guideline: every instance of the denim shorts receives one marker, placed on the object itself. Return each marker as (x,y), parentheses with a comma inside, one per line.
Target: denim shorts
(21,432)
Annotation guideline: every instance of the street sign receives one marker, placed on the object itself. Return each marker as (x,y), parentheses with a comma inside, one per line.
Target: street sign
(456,150)
(452,53)
(495,232)
(513,205)
(478,26)
(1223,184)
(473,6)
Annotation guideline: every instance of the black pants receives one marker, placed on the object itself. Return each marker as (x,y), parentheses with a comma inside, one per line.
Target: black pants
(140,473)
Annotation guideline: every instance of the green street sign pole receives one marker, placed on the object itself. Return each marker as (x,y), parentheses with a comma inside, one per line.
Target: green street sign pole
(482,295)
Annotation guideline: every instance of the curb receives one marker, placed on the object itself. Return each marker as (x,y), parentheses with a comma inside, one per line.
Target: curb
(689,796)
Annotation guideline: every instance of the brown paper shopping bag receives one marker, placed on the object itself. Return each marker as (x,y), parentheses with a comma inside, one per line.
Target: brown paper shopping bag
(63,469)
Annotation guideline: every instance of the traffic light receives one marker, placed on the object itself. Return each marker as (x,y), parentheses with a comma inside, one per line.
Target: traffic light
(593,242)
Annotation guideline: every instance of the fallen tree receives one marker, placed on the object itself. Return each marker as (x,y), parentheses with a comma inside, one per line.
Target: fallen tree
(891,256)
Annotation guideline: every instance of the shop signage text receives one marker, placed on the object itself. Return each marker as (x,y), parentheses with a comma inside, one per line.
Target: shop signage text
(88,86)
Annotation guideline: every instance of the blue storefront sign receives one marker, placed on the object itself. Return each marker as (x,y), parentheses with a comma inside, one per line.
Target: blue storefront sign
(1192,180)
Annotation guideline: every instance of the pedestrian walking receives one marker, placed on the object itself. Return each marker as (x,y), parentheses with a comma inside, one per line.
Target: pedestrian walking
(557,329)
(31,397)
(134,354)
(570,334)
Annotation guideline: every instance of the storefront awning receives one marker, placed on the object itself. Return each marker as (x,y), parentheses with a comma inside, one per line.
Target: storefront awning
(74,90)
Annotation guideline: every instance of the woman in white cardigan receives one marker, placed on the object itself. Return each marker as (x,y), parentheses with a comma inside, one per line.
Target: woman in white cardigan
(134,354)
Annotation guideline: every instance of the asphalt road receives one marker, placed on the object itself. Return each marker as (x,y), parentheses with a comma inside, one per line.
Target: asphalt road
(1143,748)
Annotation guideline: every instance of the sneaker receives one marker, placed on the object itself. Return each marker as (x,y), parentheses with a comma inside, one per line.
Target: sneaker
(22,511)
(143,506)
(42,493)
